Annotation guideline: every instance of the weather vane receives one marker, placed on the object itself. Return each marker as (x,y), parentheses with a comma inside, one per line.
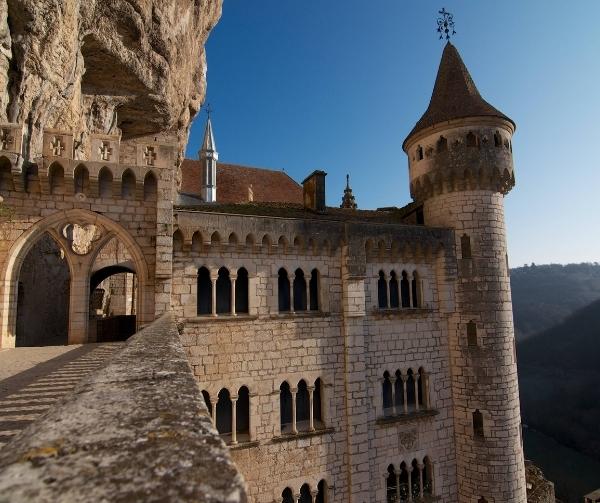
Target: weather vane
(445,24)
(208,109)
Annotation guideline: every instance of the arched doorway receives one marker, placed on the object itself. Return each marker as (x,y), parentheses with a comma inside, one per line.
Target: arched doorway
(43,296)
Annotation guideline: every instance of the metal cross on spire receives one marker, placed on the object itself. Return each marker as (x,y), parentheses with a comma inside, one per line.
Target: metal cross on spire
(208,109)
(445,24)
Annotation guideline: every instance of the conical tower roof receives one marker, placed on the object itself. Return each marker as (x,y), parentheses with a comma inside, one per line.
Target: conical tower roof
(455,95)
(208,144)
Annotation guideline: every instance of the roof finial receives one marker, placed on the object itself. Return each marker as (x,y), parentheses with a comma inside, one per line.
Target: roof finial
(445,24)
(208,109)
(348,200)
(347,181)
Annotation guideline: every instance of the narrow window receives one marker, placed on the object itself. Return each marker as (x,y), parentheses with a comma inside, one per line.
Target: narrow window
(242,414)
(421,387)
(388,406)
(427,477)
(471,333)
(399,392)
(404,489)
(415,284)
(241,291)
(465,246)
(497,139)
(419,153)
(285,407)
(56,179)
(283,284)
(197,242)
(223,291)
(442,144)
(177,241)
(302,407)
(150,187)
(207,401)
(105,180)
(405,290)
(305,496)
(478,424)
(416,486)
(6,180)
(224,412)
(411,398)
(472,140)
(391,485)
(321,492)
(287,496)
(299,291)
(204,297)
(314,290)
(382,291)
(394,292)
(317,406)
(81,180)
(128,185)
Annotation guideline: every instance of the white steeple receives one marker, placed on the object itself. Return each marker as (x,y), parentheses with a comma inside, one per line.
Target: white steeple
(209,156)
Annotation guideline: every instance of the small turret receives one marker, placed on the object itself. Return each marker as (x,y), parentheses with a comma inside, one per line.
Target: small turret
(209,156)
(348,200)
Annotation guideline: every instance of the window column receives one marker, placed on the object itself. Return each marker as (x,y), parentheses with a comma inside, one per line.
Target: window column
(213,279)
(393,382)
(233,277)
(388,303)
(214,412)
(313,495)
(398,485)
(410,292)
(409,469)
(234,399)
(404,378)
(294,392)
(420,466)
(416,381)
(311,414)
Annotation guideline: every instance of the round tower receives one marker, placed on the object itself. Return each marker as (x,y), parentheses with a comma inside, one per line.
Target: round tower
(461,166)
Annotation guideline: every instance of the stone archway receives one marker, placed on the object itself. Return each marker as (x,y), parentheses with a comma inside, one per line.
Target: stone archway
(81,234)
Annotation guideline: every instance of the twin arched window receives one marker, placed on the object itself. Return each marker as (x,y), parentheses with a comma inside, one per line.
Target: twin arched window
(402,292)
(301,407)
(405,393)
(306,494)
(300,295)
(410,481)
(231,414)
(230,294)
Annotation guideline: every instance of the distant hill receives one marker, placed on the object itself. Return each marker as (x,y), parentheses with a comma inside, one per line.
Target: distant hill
(545,295)
(559,378)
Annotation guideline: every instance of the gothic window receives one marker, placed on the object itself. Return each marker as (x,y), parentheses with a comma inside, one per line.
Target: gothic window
(382,291)
(415,285)
(128,185)
(223,291)
(471,333)
(497,139)
(81,180)
(285,407)
(399,392)
(391,485)
(405,290)
(56,179)
(403,482)
(394,292)
(242,413)
(302,406)
(299,291)
(472,140)
(287,496)
(305,496)
(150,187)
(241,291)
(177,241)
(6,181)
(411,397)
(224,412)
(321,492)
(105,180)
(427,476)
(207,401)
(442,144)
(314,290)
(204,292)
(283,287)
(478,424)
(421,387)
(317,406)
(388,405)
(415,480)
(419,153)
(465,246)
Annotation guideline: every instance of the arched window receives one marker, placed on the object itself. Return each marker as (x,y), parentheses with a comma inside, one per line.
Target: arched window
(150,187)
(421,387)
(321,492)
(207,401)
(317,407)
(197,242)
(399,392)
(472,140)
(497,139)
(419,153)
(314,290)
(305,496)
(442,144)
(242,414)
(6,180)
(416,290)
(204,292)
(223,291)
(403,480)
(382,291)
(465,246)
(405,290)
(392,485)
(388,405)
(241,291)
(299,291)
(128,185)
(427,477)
(215,239)
(285,407)
(224,412)
(287,496)
(105,180)
(302,406)
(394,291)
(411,397)
(56,179)
(81,180)
(415,480)
(177,241)
(283,287)
(478,424)
(471,333)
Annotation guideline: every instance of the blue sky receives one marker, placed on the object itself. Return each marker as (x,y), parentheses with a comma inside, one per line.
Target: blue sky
(337,84)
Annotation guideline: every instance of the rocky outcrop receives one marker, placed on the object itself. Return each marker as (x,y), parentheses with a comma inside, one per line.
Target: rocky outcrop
(539,489)
(137,67)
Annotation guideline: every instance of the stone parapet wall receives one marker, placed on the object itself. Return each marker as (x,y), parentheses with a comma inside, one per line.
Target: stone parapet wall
(135,430)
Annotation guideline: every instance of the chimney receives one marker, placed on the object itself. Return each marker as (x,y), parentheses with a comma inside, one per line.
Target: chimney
(314,191)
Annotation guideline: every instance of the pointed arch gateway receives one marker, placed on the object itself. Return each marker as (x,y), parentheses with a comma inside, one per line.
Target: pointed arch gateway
(60,227)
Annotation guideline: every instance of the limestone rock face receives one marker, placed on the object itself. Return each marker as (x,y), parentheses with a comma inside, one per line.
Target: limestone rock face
(103,66)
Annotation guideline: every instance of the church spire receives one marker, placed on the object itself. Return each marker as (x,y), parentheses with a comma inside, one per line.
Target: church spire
(348,200)
(209,156)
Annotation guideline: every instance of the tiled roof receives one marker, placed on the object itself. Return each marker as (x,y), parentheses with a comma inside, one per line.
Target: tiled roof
(236,183)
(455,95)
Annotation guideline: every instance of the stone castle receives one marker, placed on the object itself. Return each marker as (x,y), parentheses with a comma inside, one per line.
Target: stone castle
(344,355)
